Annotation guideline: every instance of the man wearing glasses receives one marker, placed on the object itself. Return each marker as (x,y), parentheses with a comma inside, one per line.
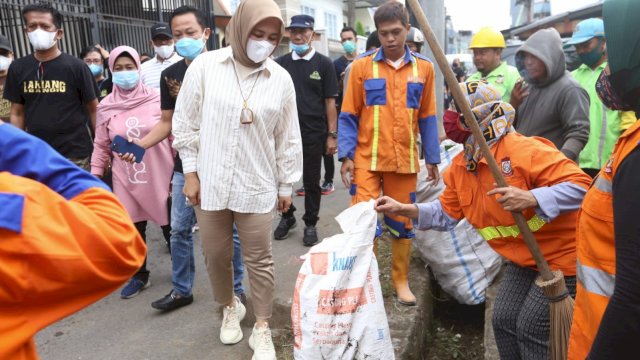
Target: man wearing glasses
(52,94)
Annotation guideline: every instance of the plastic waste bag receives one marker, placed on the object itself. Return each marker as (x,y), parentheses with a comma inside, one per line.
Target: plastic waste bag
(338,310)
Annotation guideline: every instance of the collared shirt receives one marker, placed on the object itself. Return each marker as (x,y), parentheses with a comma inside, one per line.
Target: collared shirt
(503,77)
(605,124)
(150,71)
(383,111)
(308,56)
(241,167)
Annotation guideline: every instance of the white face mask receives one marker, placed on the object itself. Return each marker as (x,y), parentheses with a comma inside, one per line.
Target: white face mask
(4,63)
(42,40)
(164,51)
(259,51)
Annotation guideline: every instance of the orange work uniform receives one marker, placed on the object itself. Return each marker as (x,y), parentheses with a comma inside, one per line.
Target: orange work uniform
(65,241)
(383,111)
(526,163)
(596,250)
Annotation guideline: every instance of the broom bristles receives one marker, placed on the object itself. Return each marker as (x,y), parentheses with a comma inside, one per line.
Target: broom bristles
(560,314)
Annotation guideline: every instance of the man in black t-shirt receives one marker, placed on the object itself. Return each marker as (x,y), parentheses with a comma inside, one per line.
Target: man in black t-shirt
(316,85)
(52,94)
(349,40)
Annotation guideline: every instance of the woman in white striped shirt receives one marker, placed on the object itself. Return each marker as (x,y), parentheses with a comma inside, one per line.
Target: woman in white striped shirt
(236,129)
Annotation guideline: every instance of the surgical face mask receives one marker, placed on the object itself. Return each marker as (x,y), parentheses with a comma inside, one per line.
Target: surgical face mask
(349,47)
(126,79)
(592,57)
(42,40)
(299,49)
(4,63)
(453,128)
(190,48)
(95,69)
(259,51)
(164,51)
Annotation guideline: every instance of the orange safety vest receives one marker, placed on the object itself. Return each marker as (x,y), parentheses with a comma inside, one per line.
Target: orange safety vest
(596,250)
(526,163)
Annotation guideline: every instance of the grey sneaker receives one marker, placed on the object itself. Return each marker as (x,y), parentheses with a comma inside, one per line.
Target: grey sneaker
(310,235)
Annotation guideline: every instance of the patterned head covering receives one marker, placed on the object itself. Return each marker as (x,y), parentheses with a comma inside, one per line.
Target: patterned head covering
(494,117)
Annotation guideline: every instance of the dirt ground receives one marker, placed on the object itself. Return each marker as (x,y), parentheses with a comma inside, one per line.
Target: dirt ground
(458,330)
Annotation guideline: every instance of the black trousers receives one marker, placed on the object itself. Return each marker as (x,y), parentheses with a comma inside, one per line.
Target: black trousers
(312,152)
(141,226)
(329,168)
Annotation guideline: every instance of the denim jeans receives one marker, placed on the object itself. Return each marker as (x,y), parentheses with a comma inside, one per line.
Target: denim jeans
(183,218)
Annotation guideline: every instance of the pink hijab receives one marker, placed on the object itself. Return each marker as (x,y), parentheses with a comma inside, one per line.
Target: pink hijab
(121,100)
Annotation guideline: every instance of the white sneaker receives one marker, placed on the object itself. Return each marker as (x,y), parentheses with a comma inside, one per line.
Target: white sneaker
(262,345)
(230,331)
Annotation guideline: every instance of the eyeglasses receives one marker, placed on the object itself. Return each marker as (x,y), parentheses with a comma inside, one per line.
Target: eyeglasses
(93,61)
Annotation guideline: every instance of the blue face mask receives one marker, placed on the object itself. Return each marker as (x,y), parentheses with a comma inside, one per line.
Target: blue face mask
(189,48)
(95,69)
(126,79)
(299,49)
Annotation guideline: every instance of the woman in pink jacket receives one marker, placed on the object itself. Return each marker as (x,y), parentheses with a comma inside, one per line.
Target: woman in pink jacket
(131,111)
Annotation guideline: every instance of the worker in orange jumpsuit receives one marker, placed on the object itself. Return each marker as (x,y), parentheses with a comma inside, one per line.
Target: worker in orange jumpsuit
(389,100)
(606,317)
(543,184)
(65,240)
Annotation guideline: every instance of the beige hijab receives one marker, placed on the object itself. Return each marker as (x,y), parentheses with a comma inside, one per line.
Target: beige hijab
(246,17)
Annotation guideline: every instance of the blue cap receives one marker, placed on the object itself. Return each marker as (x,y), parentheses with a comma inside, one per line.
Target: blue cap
(301,22)
(587,30)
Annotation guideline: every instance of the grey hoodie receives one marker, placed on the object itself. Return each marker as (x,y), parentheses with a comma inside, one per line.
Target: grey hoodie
(557,107)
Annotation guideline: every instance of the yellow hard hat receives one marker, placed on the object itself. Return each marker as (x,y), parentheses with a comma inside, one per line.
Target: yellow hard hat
(487,38)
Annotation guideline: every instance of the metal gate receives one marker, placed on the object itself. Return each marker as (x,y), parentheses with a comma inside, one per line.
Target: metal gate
(107,22)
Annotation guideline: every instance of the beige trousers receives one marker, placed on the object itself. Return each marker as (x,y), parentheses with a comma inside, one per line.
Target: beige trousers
(216,229)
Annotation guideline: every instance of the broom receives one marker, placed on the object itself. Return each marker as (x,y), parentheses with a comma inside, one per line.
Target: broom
(551,283)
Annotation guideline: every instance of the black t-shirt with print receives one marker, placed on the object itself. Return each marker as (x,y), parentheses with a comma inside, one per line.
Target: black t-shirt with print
(340,64)
(54,94)
(170,82)
(314,80)
(5,105)
(105,87)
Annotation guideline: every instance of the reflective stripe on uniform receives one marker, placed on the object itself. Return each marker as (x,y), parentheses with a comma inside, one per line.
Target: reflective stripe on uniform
(595,280)
(376,123)
(603,184)
(412,143)
(493,232)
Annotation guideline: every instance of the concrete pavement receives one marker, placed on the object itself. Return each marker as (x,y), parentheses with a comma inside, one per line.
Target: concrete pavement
(130,329)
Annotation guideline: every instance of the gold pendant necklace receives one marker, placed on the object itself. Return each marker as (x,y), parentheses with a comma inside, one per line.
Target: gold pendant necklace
(246,114)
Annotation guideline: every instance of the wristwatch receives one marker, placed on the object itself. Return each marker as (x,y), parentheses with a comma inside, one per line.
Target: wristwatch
(333,134)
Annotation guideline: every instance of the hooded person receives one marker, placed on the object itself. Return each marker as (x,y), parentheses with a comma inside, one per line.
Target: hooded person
(236,129)
(556,107)
(543,184)
(606,318)
(131,111)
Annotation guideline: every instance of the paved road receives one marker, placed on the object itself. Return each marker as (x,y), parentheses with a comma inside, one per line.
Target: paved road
(130,329)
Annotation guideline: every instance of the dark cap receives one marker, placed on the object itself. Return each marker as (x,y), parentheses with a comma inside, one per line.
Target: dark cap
(5,44)
(161,29)
(301,22)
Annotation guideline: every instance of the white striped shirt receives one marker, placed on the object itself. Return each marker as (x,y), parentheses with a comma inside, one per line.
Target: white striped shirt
(242,167)
(151,70)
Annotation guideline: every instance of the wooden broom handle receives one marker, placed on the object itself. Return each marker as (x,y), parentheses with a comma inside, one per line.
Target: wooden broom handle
(460,100)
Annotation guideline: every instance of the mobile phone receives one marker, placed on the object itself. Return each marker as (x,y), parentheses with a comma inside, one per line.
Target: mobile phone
(122,146)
